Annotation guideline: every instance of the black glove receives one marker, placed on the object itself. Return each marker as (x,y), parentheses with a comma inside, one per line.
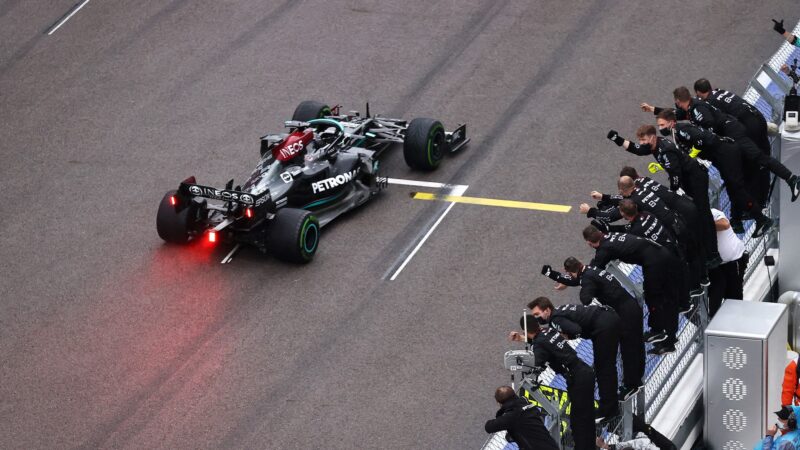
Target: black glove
(778,26)
(546,270)
(600,225)
(614,137)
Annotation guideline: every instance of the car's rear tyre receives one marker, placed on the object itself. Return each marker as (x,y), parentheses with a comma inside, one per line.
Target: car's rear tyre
(424,145)
(293,235)
(174,224)
(310,110)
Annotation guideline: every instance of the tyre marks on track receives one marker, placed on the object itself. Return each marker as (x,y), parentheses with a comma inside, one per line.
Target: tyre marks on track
(220,58)
(407,239)
(7,6)
(559,57)
(456,192)
(19,55)
(451,51)
(121,423)
(285,385)
(124,424)
(251,420)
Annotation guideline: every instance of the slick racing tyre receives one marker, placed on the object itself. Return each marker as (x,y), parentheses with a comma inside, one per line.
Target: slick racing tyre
(424,145)
(293,235)
(310,110)
(173,222)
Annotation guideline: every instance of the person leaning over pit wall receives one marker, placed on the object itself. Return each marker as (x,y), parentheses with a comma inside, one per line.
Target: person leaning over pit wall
(551,350)
(599,286)
(754,123)
(790,38)
(601,324)
(521,420)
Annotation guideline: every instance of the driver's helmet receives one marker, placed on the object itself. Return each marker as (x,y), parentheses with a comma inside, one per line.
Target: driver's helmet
(327,135)
(293,148)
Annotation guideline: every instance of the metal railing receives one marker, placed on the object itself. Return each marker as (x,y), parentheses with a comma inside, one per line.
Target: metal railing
(766,91)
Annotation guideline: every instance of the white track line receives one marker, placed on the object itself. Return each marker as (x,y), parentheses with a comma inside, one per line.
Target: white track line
(65,19)
(458,190)
(428,184)
(229,257)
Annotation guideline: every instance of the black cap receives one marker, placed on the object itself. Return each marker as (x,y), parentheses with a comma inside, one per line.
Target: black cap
(784,412)
(533,325)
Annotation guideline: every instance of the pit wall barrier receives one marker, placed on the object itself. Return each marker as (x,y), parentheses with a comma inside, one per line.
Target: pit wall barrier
(679,417)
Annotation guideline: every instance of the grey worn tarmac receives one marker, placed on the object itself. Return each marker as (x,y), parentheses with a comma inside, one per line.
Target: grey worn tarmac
(110,338)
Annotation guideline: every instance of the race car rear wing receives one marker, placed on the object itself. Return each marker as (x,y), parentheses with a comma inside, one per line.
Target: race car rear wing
(190,188)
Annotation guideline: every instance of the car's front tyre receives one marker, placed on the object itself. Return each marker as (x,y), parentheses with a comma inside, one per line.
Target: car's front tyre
(424,145)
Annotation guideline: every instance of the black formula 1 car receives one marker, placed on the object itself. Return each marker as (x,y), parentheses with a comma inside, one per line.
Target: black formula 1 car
(324,165)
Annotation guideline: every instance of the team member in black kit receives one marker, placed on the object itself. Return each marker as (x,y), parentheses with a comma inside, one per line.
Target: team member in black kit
(725,155)
(684,173)
(643,224)
(753,121)
(650,203)
(693,247)
(550,349)
(674,201)
(648,226)
(732,104)
(647,201)
(601,325)
(712,119)
(522,421)
(660,286)
(600,286)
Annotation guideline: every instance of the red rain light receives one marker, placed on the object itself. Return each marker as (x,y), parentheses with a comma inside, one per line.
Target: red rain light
(248,213)
(212,236)
(172,200)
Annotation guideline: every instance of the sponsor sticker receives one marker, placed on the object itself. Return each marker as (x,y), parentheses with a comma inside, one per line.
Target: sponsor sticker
(332,182)
(224,195)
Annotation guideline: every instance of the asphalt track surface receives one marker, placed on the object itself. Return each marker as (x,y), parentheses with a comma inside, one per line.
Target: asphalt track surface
(110,338)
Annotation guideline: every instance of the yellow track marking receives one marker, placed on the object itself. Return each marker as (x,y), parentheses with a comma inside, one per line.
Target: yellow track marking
(491,202)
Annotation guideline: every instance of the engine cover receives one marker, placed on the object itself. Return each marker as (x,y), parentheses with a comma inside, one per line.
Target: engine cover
(293,146)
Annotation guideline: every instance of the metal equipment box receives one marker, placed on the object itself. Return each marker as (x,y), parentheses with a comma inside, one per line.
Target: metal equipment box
(744,360)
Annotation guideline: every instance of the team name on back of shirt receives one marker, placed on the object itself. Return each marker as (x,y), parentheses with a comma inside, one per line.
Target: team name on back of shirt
(603,273)
(554,338)
(616,237)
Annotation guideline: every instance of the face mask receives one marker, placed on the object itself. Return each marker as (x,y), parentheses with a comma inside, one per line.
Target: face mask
(645,147)
(780,426)
(664,131)
(542,321)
